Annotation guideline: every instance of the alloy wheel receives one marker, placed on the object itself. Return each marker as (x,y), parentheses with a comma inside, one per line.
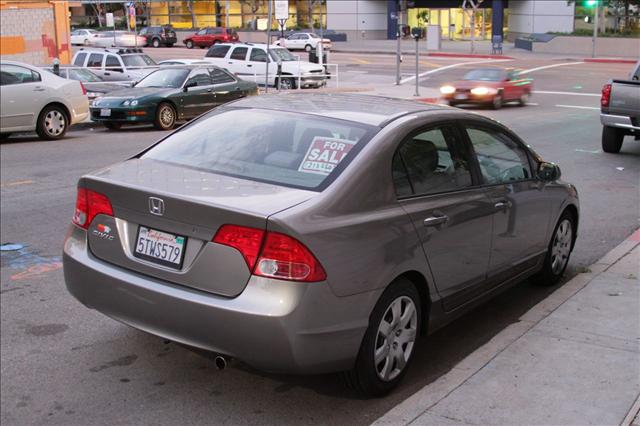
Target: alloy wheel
(167,117)
(395,338)
(561,247)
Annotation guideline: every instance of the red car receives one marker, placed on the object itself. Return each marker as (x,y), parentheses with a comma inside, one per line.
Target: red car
(211,35)
(492,86)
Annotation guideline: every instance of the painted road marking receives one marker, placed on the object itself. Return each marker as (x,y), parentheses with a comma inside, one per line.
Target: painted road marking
(549,66)
(16,183)
(361,61)
(548,92)
(460,64)
(578,107)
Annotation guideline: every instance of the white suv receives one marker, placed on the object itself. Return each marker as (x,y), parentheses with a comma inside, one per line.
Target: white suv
(115,64)
(248,61)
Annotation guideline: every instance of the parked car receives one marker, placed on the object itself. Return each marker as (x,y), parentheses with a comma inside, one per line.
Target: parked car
(115,64)
(94,85)
(208,36)
(313,233)
(306,41)
(171,94)
(248,61)
(620,111)
(83,36)
(489,86)
(35,99)
(183,62)
(118,39)
(162,35)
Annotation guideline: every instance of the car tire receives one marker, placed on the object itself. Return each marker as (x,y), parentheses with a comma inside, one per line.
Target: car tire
(394,349)
(52,123)
(559,251)
(166,117)
(287,83)
(308,48)
(112,126)
(4,136)
(497,101)
(189,44)
(155,43)
(523,99)
(612,139)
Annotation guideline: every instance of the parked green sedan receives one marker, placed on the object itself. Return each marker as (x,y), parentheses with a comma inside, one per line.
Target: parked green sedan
(170,94)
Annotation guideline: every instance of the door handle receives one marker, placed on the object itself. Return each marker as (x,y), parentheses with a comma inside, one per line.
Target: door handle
(230,63)
(209,90)
(436,220)
(107,73)
(502,205)
(39,89)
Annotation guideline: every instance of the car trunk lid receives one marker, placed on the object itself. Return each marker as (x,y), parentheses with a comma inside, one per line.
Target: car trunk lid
(180,207)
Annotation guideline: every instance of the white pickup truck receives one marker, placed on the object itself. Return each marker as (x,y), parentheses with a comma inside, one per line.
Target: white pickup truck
(620,111)
(249,62)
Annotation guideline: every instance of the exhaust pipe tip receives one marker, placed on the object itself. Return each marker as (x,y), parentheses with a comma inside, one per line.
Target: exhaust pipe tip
(221,362)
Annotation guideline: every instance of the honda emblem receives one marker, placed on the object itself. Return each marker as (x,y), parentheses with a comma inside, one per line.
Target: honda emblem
(156,206)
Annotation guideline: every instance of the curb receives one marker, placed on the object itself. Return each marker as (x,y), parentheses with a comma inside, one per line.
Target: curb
(468,55)
(422,53)
(420,402)
(610,61)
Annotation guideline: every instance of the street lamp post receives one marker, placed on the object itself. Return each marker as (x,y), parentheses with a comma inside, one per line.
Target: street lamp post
(596,12)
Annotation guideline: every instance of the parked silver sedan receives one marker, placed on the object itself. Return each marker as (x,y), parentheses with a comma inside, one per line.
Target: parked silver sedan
(325,233)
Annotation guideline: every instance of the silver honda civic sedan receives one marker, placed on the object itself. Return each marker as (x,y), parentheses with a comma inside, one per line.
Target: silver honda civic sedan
(318,233)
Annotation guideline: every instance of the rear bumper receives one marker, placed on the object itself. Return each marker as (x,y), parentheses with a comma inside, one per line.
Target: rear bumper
(273,325)
(619,121)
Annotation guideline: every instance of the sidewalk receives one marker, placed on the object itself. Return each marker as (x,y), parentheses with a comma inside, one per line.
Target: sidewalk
(572,359)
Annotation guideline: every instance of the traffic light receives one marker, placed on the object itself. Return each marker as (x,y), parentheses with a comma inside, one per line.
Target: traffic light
(590,3)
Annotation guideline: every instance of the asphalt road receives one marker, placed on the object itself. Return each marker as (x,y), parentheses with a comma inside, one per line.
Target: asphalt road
(65,364)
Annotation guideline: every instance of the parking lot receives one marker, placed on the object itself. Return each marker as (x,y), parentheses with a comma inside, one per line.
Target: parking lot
(63,363)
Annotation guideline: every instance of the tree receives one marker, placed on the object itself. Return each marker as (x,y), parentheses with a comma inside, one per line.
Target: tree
(311,4)
(254,5)
(471,7)
(98,10)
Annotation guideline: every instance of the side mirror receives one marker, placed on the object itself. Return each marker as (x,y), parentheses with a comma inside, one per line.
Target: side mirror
(548,172)
(189,84)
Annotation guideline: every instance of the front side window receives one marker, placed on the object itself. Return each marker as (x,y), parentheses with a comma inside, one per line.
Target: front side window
(428,163)
(501,159)
(218,51)
(112,63)
(79,61)
(95,60)
(288,149)
(239,53)
(258,55)
(203,32)
(199,78)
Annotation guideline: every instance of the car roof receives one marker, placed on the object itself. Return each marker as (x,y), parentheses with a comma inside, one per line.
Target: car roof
(367,109)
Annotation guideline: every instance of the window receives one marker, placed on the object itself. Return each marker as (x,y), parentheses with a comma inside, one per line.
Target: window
(304,37)
(258,55)
(239,53)
(429,163)
(144,31)
(95,60)
(13,74)
(138,60)
(200,77)
(217,51)
(501,159)
(79,61)
(203,32)
(218,76)
(283,148)
(112,63)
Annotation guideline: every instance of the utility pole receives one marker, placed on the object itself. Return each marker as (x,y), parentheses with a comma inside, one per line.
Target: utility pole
(266,74)
(227,8)
(596,12)
(398,40)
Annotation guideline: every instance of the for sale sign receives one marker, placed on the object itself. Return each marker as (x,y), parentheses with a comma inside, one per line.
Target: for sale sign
(324,154)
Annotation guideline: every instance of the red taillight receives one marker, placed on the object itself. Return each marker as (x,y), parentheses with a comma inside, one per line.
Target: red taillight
(246,240)
(280,256)
(606,95)
(84,89)
(89,204)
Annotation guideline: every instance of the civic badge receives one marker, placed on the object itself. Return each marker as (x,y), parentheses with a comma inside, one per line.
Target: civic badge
(156,206)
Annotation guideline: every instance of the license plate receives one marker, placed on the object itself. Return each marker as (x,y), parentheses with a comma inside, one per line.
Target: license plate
(461,96)
(105,112)
(160,247)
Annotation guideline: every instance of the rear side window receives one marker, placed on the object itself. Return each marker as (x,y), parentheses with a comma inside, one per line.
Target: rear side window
(79,61)
(239,53)
(218,76)
(218,51)
(288,149)
(95,60)
(431,163)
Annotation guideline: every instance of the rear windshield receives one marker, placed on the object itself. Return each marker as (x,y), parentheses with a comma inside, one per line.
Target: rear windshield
(289,149)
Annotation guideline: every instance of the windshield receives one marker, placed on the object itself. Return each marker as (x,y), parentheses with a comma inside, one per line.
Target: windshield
(485,75)
(283,148)
(280,54)
(168,78)
(137,60)
(83,75)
